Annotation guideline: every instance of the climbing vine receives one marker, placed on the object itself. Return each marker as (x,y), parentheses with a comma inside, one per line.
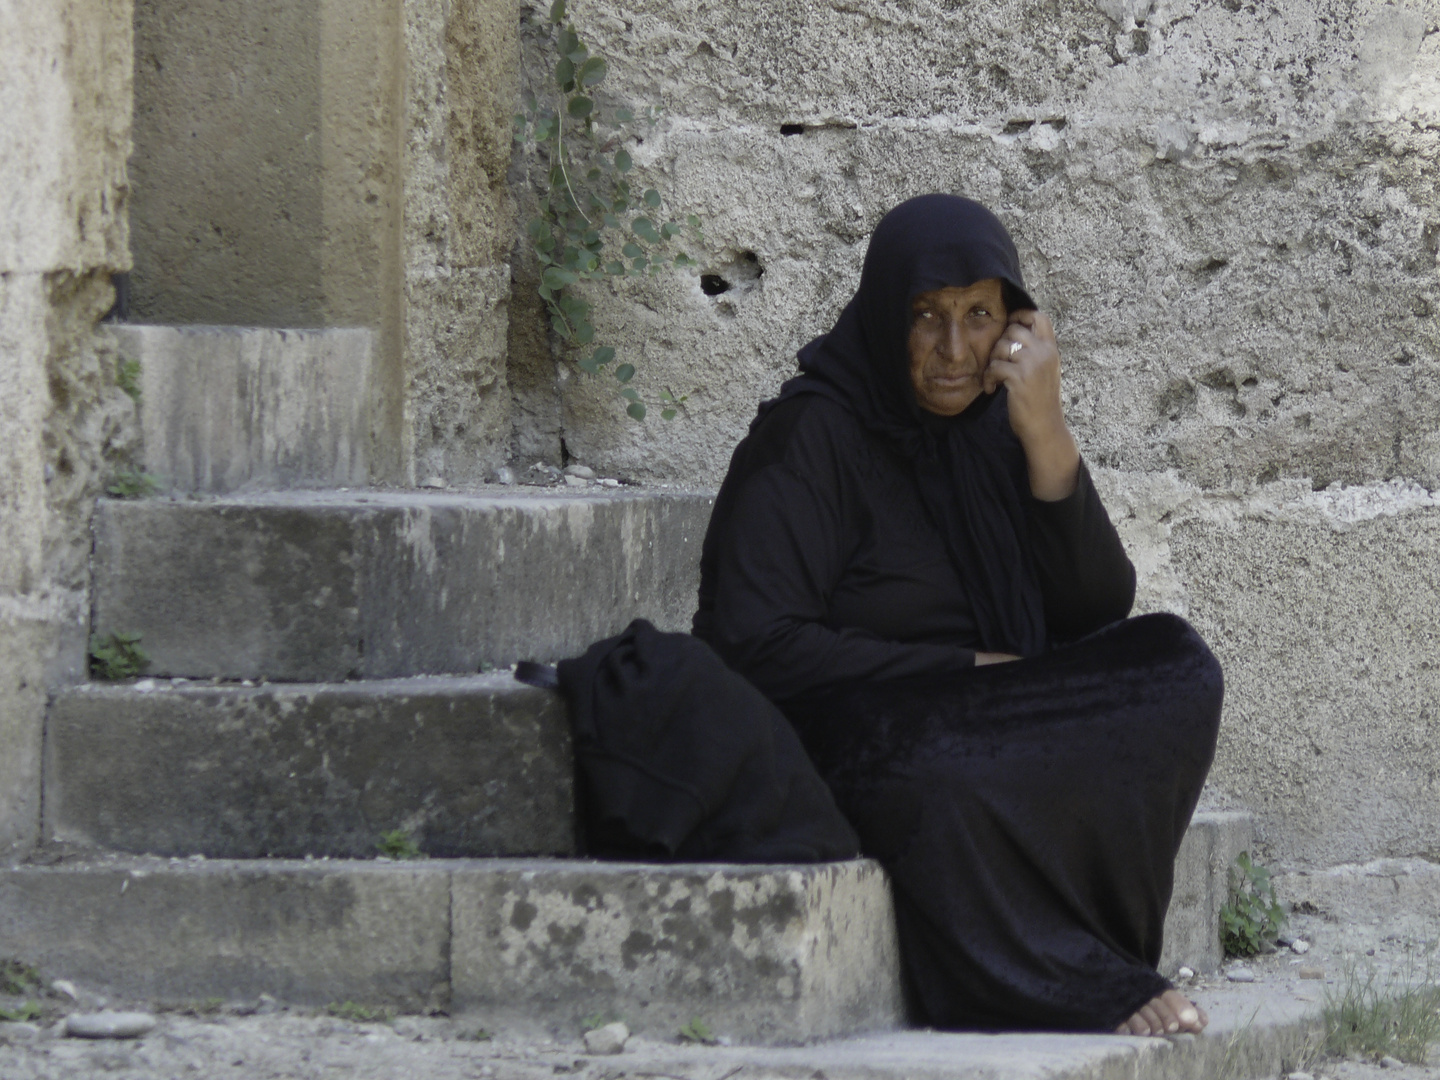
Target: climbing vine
(592,224)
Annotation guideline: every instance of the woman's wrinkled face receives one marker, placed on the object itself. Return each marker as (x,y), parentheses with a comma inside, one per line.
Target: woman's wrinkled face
(952,331)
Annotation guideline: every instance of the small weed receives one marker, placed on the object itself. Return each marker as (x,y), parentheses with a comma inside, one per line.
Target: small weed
(478,1035)
(17,979)
(1400,1017)
(360,1014)
(29,1010)
(398,844)
(127,377)
(1251,918)
(117,656)
(132,483)
(697,1031)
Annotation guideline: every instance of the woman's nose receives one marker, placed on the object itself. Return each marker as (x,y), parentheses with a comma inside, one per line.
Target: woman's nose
(952,341)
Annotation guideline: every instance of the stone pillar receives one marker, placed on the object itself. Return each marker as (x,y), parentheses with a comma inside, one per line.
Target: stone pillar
(65,97)
(334,163)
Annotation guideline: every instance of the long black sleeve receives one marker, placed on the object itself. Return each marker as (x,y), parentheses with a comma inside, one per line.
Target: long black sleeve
(1085,576)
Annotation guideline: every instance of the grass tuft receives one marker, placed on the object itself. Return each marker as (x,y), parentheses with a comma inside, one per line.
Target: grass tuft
(1252,918)
(360,1014)
(1399,1016)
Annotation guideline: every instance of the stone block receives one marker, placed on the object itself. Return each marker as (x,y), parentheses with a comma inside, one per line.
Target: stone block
(227,408)
(180,931)
(769,954)
(469,766)
(318,587)
(1202,869)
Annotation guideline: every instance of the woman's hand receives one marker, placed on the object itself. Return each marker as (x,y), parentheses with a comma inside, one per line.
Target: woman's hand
(1026,361)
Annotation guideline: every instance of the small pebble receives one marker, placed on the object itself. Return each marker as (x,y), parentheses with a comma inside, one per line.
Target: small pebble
(17,1031)
(1299,946)
(144,686)
(1185,973)
(609,482)
(1299,1076)
(582,471)
(576,481)
(1310,971)
(1388,1062)
(108,1025)
(1240,975)
(66,987)
(505,475)
(609,1039)
(433,482)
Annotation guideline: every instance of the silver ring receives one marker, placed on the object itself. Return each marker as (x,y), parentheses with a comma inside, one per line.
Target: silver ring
(1014,347)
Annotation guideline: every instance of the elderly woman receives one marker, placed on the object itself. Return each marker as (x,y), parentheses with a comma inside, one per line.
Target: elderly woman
(909,557)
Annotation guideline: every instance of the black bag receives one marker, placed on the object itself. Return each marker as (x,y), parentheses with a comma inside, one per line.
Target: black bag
(681,758)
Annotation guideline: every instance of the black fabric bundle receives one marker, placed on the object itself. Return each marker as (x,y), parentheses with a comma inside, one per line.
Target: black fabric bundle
(681,758)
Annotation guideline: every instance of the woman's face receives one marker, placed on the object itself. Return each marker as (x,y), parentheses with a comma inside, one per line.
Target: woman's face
(952,331)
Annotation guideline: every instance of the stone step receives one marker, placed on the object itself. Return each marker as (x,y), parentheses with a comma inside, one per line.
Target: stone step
(468,766)
(224,408)
(768,954)
(324,586)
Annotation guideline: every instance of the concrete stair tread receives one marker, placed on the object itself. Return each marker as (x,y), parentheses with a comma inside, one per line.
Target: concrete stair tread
(476,765)
(773,953)
(373,584)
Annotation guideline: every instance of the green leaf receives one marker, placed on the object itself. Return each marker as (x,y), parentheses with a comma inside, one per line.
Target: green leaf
(622,162)
(645,229)
(630,394)
(615,268)
(610,220)
(667,414)
(603,355)
(557,278)
(625,372)
(584,333)
(641,263)
(537,227)
(564,74)
(593,174)
(592,71)
(632,250)
(684,260)
(652,198)
(589,364)
(557,12)
(668,230)
(636,410)
(624,116)
(569,40)
(580,107)
(560,327)
(693,221)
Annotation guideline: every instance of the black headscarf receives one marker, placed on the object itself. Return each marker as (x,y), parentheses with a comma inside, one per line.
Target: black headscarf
(970,467)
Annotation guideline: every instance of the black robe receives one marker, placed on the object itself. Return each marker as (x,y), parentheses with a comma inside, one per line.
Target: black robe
(860,552)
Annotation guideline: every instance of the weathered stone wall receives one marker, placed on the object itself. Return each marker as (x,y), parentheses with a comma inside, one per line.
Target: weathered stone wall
(1231,210)
(64,134)
(464,58)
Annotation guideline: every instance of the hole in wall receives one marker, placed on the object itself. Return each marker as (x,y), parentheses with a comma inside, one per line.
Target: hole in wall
(1015,127)
(792,129)
(737,276)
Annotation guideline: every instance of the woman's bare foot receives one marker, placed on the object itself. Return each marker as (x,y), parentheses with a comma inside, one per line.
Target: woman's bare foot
(1169,1014)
